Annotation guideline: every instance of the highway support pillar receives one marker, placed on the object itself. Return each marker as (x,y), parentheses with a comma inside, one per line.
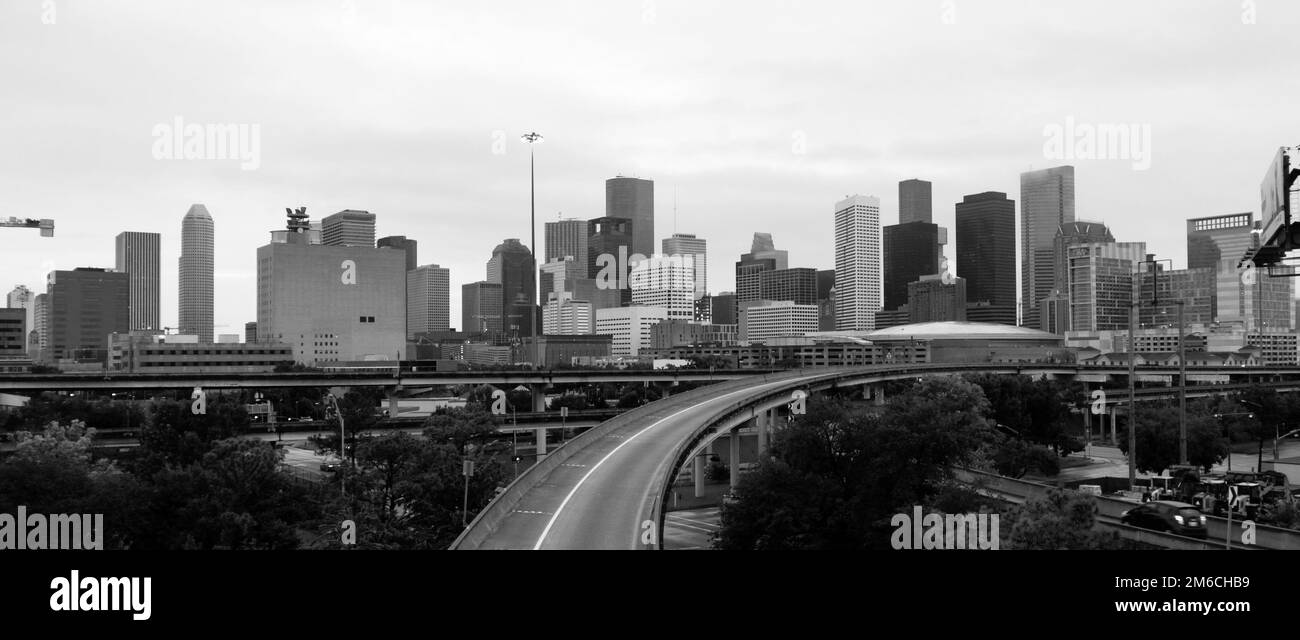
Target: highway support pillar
(760,424)
(698,474)
(539,404)
(733,456)
(878,395)
(1113,439)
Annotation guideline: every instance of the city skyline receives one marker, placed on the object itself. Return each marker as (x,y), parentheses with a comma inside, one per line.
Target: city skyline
(773,170)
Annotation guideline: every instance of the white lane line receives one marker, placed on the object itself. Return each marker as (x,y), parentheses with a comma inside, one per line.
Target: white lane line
(699,522)
(683,525)
(565,502)
(543,513)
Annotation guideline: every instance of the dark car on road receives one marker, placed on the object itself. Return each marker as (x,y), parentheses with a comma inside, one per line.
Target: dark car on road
(1167,515)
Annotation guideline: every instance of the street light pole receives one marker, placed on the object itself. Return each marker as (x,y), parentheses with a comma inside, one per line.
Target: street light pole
(1132,410)
(1182,387)
(532,138)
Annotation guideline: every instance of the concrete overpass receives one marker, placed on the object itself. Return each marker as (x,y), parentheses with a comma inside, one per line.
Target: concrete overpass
(606,488)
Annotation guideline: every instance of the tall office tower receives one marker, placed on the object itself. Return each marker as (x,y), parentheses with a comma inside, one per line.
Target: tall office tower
(911,250)
(1073,233)
(1262,303)
(610,253)
(633,199)
(763,256)
(826,300)
(798,285)
(665,281)
(331,303)
(138,256)
(630,327)
(428,300)
(480,307)
(1101,284)
(564,315)
(914,201)
(411,247)
(85,305)
(250,332)
(930,299)
(686,244)
(195,274)
(857,263)
(13,333)
(1160,290)
(1046,203)
(41,325)
(986,256)
(23,298)
(555,273)
(568,239)
(349,228)
(724,308)
(1213,240)
(512,267)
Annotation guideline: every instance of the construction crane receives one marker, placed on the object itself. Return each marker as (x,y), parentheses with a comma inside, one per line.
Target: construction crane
(46,225)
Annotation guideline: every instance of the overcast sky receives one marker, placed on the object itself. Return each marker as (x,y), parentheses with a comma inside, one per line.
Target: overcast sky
(751,116)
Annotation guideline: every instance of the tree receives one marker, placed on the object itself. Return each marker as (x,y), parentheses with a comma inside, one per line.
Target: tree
(1157,438)
(1013,457)
(574,401)
(1060,520)
(838,473)
(174,434)
(1038,409)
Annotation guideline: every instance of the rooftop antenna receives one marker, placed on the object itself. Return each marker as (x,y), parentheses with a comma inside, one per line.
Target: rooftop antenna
(674,209)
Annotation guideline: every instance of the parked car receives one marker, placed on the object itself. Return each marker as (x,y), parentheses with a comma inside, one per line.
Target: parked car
(1167,515)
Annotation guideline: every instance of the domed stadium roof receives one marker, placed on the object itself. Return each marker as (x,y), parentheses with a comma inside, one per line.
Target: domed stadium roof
(958,330)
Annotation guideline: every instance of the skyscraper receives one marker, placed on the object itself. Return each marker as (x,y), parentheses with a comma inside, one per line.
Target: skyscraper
(138,256)
(986,255)
(914,201)
(930,299)
(411,247)
(480,307)
(686,244)
(568,238)
(1067,234)
(634,199)
(23,298)
(763,256)
(1212,240)
(428,300)
(195,274)
(85,306)
(911,250)
(41,325)
(826,300)
(512,264)
(1101,284)
(609,253)
(857,263)
(349,228)
(665,281)
(798,285)
(1046,202)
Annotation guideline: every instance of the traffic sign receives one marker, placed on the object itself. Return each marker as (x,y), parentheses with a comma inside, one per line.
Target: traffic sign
(564,412)
(468,469)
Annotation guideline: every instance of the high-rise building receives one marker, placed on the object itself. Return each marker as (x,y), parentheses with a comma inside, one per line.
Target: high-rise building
(724,308)
(686,244)
(1046,203)
(481,308)
(798,285)
(349,228)
(85,305)
(23,298)
(428,300)
(763,257)
(512,266)
(914,201)
(610,253)
(630,326)
(911,250)
(13,333)
(250,332)
(857,263)
(930,299)
(568,239)
(826,299)
(633,199)
(986,256)
(1212,240)
(564,315)
(1078,232)
(41,325)
(1161,289)
(665,281)
(138,256)
(195,274)
(1101,285)
(402,243)
(776,318)
(331,303)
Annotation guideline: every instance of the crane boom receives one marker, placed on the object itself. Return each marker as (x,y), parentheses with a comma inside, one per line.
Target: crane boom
(46,225)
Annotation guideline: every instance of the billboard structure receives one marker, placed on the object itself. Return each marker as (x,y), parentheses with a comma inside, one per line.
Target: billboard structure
(1279,234)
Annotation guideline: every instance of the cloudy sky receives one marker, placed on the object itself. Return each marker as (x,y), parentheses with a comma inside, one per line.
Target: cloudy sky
(753,116)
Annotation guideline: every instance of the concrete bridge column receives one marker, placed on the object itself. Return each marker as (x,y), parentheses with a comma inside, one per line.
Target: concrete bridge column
(733,440)
(539,404)
(1113,439)
(699,474)
(760,424)
(878,394)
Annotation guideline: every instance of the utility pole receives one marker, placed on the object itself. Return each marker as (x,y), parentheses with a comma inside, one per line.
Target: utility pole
(1132,410)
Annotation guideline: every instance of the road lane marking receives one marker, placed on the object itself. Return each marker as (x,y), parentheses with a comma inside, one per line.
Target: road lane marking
(544,513)
(583,480)
(699,522)
(683,525)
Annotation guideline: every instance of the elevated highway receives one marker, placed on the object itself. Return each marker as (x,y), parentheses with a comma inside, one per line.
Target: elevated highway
(606,488)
